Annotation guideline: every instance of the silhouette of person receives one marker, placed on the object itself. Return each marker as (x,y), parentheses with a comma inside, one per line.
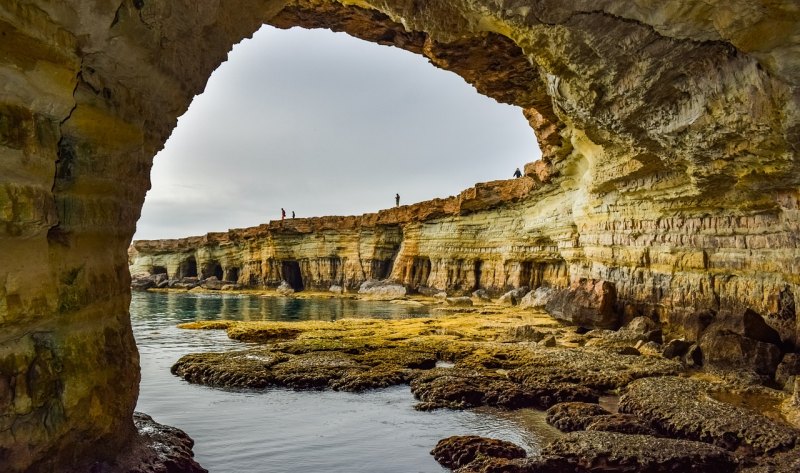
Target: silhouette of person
(517,173)
(283,213)
(292,213)
(397,200)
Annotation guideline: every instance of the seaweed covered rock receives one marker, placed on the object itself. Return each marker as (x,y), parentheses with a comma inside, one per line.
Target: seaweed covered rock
(613,452)
(458,451)
(572,416)
(459,389)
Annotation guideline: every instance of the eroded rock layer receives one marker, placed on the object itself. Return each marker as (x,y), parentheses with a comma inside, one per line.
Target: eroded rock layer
(670,133)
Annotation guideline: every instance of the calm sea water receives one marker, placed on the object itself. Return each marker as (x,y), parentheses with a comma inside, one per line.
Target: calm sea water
(280,430)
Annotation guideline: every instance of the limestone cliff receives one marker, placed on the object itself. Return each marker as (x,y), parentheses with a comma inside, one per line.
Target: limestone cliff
(670,132)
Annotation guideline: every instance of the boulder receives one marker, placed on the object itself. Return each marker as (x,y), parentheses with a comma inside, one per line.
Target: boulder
(513,297)
(212,283)
(676,348)
(440,296)
(230,287)
(459,301)
(385,290)
(537,298)
(481,294)
(587,303)
(727,350)
(284,289)
(336,289)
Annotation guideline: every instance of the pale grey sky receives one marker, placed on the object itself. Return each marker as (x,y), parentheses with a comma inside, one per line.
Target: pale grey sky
(325,124)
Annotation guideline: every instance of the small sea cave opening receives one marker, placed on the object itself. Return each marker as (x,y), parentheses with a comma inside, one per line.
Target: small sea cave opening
(478,271)
(232,274)
(290,272)
(187,268)
(212,268)
(381,268)
(158,270)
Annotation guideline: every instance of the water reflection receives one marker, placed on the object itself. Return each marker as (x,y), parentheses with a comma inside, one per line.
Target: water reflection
(279,430)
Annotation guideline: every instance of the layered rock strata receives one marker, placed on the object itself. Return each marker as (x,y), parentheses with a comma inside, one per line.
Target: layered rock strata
(670,134)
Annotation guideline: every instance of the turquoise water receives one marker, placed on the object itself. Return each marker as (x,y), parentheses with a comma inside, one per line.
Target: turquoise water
(280,430)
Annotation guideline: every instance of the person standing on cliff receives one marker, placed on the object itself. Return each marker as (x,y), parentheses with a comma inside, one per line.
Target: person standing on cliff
(517,174)
(292,213)
(397,200)
(283,213)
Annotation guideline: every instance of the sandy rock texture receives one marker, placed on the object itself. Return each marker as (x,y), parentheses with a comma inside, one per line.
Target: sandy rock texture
(670,133)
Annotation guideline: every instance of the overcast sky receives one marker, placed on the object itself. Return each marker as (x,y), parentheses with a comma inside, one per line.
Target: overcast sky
(325,124)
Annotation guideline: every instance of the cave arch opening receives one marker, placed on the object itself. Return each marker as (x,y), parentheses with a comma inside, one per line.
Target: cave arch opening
(298,106)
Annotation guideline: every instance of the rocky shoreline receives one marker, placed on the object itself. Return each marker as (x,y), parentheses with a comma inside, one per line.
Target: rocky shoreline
(673,415)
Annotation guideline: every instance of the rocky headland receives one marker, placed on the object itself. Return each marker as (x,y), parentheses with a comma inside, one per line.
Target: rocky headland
(668,184)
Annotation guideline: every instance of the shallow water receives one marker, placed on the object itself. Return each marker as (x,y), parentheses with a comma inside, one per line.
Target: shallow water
(280,430)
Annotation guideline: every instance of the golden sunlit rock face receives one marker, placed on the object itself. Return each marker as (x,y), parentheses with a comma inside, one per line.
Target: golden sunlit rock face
(670,135)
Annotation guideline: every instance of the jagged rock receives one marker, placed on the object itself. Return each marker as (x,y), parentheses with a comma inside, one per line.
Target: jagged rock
(548,341)
(458,451)
(513,297)
(572,416)
(685,408)
(481,294)
(588,303)
(538,297)
(284,289)
(459,301)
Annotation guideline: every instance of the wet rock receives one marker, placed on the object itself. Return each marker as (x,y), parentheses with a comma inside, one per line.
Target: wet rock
(693,356)
(781,462)
(590,451)
(163,449)
(538,297)
(459,301)
(787,371)
(458,451)
(284,289)
(513,297)
(384,290)
(685,408)
(587,303)
(572,416)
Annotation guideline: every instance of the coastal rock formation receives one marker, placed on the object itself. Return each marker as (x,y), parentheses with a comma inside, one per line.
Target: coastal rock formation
(670,134)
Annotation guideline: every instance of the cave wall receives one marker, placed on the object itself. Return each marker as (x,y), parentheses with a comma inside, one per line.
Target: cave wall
(670,135)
